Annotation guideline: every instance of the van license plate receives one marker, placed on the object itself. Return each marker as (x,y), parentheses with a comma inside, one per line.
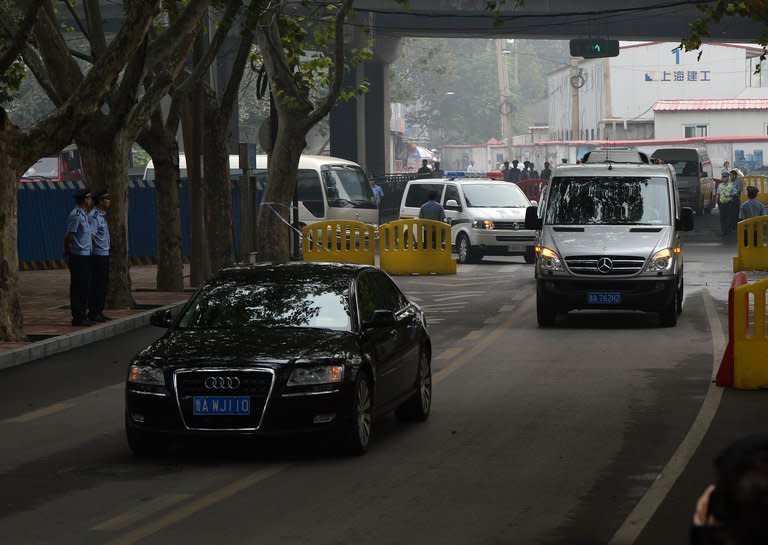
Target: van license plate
(604,298)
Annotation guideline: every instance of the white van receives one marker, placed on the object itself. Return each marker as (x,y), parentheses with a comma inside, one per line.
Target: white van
(329,188)
(610,238)
(487,216)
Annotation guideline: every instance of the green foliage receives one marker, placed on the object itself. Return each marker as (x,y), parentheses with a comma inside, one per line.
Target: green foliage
(11,79)
(452,88)
(756,10)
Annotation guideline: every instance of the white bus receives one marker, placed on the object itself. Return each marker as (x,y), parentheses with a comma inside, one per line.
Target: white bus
(329,188)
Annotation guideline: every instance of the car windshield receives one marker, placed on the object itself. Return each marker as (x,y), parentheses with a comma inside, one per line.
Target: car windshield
(47,167)
(608,201)
(347,187)
(499,195)
(233,305)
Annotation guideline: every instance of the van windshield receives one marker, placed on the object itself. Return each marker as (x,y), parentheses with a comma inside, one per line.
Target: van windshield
(500,195)
(608,201)
(347,187)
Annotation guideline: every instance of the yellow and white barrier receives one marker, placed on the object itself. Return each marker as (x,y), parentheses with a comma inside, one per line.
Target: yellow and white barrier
(760,182)
(415,246)
(339,242)
(750,339)
(752,245)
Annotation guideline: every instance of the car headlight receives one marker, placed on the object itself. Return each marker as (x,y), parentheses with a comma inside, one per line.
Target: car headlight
(548,259)
(146,374)
(662,260)
(482,224)
(321,374)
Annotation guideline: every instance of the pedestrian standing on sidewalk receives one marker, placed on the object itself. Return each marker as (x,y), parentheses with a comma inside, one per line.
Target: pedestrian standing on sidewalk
(99,257)
(78,243)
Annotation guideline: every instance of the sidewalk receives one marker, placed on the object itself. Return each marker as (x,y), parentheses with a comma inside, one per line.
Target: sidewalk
(47,319)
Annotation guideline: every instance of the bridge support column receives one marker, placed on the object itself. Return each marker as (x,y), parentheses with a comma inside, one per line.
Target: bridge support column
(360,127)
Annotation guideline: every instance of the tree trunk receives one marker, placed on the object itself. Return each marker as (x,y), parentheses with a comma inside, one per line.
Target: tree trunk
(218,188)
(273,235)
(170,264)
(162,147)
(105,161)
(11,321)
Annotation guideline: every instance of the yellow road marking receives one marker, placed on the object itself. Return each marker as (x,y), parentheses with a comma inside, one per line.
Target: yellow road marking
(143,511)
(507,308)
(39,413)
(189,509)
(473,335)
(449,353)
(478,348)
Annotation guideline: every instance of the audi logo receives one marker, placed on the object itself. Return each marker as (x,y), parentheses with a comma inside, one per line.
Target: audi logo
(604,265)
(222,383)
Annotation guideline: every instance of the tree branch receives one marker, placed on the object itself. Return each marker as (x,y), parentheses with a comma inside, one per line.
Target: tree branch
(95,34)
(65,74)
(280,74)
(338,67)
(229,97)
(187,23)
(82,56)
(233,6)
(20,37)
(129,86)
(78,21)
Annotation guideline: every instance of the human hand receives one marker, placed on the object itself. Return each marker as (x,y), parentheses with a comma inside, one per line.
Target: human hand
(701,516)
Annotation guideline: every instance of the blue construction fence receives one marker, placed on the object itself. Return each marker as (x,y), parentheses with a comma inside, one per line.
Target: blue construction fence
(44,207)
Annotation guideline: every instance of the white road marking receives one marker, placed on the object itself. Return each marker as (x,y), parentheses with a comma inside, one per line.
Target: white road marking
(637,520)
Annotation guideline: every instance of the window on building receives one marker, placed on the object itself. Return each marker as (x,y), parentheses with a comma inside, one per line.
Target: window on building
(692,131)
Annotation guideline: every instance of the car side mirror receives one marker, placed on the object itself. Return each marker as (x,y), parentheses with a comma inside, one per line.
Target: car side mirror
(161,318)
(532,220)
(685,223)
(452,204)
(380,318)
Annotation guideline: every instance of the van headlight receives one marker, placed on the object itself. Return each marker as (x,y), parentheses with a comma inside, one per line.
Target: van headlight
(482,224)
(548,259)
(663,260)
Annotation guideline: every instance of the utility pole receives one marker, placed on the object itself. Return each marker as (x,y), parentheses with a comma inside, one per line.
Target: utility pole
(505,97)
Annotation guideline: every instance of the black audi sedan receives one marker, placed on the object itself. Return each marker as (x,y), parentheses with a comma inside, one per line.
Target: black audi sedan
(273,349)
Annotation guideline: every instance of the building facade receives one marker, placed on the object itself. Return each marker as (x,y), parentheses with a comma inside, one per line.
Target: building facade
(614,98)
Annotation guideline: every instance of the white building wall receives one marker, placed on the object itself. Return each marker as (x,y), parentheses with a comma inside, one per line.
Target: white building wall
(719,123)
(637,78)
(641,75)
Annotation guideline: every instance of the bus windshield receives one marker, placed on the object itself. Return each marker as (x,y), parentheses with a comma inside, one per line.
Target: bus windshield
(347,187)
(608,201)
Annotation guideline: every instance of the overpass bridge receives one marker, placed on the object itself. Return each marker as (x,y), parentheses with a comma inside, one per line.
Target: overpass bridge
(359,129)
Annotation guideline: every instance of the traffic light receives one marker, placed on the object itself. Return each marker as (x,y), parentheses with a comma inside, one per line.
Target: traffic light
(594,48)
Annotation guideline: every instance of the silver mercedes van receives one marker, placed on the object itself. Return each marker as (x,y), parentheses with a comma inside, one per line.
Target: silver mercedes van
(609,237)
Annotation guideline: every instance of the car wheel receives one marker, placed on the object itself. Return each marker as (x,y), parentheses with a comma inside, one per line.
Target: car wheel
(545,310)
(142,444)
(357,435)
(530,255)
(417,408)
(668,316)
(467,254)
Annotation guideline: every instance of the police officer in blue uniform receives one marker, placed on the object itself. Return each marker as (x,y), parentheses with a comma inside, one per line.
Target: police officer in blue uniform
(99,257)
(78,243)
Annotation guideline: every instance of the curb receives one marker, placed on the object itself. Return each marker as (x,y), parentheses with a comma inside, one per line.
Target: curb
(62,343)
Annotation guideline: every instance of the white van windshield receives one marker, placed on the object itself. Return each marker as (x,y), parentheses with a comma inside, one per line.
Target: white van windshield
(500,195)
(347,187)
(608,201)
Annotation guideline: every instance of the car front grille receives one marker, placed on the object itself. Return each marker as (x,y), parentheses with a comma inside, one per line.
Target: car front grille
(605,265)
(509,225)
(254,383)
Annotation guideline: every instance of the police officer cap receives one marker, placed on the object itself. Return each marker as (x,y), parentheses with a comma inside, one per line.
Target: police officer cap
(104,194)
(82,194)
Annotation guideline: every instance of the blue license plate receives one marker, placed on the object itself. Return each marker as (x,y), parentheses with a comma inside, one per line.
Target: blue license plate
(221,405)
(604,298)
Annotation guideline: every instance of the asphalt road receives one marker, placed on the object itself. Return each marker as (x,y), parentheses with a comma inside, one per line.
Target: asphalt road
(536,436)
